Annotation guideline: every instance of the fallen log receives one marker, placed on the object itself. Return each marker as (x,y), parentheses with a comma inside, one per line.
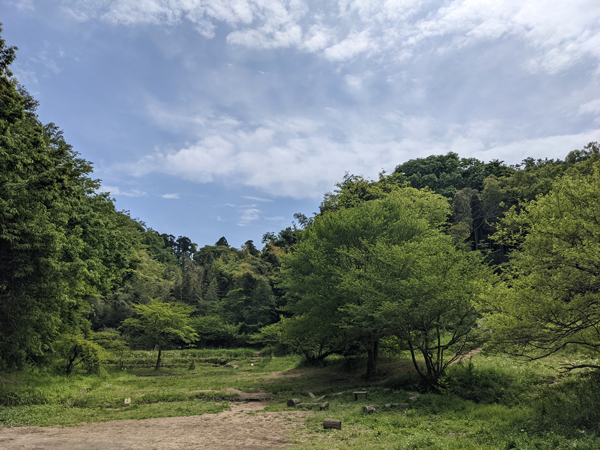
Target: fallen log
(324,405)
(332,424)
(293,402)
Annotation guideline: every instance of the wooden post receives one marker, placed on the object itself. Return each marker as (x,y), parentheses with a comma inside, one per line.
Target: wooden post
(293,402)
(332,423)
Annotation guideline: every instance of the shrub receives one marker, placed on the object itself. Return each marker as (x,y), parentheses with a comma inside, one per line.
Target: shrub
(483,385)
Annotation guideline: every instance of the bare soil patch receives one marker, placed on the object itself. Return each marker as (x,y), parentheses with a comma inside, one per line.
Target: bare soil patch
(246,426)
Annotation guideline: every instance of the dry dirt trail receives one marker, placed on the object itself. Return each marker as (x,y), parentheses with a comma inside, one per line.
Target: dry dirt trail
(246,426)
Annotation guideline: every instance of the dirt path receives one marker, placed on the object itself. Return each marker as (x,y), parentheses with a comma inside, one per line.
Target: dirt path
(246,426)
(467,356)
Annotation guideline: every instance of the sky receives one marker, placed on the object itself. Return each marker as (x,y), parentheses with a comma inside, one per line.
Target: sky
(210,118)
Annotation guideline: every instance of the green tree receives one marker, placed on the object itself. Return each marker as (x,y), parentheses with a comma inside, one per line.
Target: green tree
(112,342)
(75,350)
(161,323)
(422,292)
(447,174)
(323,276)
(60,242)
(549,297)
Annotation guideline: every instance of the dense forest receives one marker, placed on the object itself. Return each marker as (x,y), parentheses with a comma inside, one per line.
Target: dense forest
(429,259)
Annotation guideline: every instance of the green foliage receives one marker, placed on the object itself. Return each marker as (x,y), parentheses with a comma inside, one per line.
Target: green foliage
(376,270)
(74,350)
(425,291)
(481,385)
(112,342)
(549,297)
(214,331)
(60,242)
(160,323)
(447,174)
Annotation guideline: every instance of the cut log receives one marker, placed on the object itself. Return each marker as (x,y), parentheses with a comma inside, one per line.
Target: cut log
(312,395)
(324,405)
(332,424)
(308,405)
(369,409)
(320,398)
(293,402)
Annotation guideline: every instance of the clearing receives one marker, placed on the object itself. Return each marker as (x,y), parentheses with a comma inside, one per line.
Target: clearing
(245,426)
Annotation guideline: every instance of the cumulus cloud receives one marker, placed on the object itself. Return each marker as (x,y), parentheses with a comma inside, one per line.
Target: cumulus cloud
(556,33)
(279,158)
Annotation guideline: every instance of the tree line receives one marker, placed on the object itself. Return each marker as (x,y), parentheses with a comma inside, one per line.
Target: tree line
(439,256)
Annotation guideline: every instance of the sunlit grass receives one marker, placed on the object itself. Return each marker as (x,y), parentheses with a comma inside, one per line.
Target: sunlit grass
(491,402)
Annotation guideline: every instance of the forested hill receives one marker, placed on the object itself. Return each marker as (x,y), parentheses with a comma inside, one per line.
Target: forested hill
(76,274)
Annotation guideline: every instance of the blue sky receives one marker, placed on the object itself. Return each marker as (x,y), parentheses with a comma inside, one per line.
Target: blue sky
(211,118)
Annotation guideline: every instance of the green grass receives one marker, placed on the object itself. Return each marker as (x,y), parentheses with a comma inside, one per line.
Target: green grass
(491,403)
(39,397)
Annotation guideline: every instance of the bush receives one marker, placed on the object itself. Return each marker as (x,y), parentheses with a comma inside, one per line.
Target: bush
(75,350)
(569,408)
(484,385)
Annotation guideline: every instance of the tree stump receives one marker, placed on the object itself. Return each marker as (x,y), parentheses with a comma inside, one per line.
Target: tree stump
(332,424)
(293,402)
(369,409)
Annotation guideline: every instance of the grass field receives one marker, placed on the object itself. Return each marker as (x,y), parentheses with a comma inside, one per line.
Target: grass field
(490,402)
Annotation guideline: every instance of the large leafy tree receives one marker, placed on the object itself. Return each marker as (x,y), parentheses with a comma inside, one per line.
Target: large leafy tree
(422,292)
(352,265)
(60,242)
(550,298)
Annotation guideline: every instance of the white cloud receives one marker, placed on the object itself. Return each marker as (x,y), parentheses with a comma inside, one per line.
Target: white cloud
(592,107)
(556,33)
(317,38)
(114,190)
(258,199)
(279,158)
(350,47)
(248,216)
(170,196)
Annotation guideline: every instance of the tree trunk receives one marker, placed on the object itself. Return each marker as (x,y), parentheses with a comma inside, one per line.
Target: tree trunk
(372,355)
(158,359)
